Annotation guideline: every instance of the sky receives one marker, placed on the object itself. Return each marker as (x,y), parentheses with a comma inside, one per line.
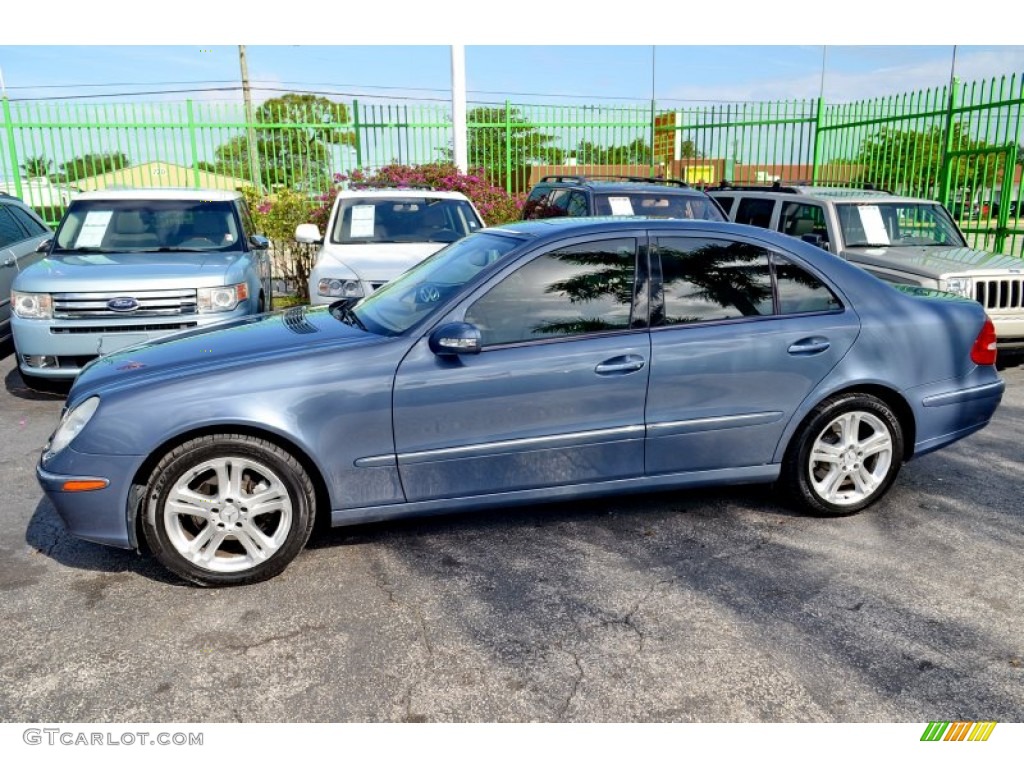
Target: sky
(529,54)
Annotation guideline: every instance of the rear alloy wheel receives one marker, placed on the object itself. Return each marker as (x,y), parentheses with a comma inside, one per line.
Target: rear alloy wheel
(845,456)
(225,510)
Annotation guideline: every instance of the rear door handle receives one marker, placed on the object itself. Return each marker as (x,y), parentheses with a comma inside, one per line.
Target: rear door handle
(621,364)
(810,346)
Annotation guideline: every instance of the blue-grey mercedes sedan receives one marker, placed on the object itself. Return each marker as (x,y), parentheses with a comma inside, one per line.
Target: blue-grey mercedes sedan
(536,361)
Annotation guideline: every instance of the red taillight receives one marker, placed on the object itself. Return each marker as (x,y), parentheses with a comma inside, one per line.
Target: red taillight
(984,350)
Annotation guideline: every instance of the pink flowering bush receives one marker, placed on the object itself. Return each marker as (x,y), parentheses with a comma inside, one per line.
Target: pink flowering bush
(495,205)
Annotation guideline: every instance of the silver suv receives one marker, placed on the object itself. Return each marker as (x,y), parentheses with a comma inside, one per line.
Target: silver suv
(902,240)
(128,266)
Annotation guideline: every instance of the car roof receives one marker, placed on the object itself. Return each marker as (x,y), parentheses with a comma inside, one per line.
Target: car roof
(836,194)
(601,225)
(159,193)
(663,186)
(402,192)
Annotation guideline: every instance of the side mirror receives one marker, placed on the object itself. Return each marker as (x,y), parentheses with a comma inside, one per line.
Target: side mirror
(308,233)
(454,339)
(259,242)
(817,240)
(44,246)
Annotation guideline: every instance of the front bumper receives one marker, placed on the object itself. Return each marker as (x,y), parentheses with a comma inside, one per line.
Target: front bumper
(102,516)
(60,349)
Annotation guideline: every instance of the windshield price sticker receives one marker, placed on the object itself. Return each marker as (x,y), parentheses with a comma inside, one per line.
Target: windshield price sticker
(621,206)
(93,229)
(874,228)
(362,221)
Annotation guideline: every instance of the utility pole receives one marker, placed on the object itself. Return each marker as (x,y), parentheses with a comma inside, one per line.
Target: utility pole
(460,154)
(250,128)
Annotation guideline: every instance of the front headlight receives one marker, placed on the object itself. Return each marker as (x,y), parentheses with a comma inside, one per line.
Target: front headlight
(221,299)
(962,286)
(34,306)
(340,289)
(70,425)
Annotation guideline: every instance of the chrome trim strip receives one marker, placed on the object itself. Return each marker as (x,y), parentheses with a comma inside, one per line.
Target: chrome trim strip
(962,395)
(667,428)
(385,460)
(524,444)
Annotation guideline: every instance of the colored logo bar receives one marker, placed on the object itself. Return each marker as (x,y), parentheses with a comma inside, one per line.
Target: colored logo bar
(958,731)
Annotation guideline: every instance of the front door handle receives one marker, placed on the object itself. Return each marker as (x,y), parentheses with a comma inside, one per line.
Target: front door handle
(621,364)
(809,346)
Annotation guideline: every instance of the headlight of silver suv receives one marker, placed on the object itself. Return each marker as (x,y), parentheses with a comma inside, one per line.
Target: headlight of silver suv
(962,286)
(34,306)
(341,289)
(221,299)
(71,423)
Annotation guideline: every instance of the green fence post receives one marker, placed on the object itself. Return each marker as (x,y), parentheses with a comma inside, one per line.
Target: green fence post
(356,130)
(508,147)
(946,175)
(9,127)
(819,118)
(192,142)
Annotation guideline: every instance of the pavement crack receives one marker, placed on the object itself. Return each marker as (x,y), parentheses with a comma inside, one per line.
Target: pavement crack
(246,647)
(575,686)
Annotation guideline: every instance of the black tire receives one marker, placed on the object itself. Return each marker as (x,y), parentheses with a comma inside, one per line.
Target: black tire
(242,545)
(860,473)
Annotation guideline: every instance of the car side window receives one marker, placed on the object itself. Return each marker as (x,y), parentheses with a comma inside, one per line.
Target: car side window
(533,208)
(800,291)
(10,232)
(726,201)
(798,219)
(31,226)
(705,280)
(756,211)
(577,204)
(247,222)
(586,288)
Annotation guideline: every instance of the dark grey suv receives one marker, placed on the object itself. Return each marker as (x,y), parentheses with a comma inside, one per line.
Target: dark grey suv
(555,196)
(21,232)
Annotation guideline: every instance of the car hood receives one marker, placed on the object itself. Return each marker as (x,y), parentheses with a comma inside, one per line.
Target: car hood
(66,272)
(245,341)
(935,260)
(374,261)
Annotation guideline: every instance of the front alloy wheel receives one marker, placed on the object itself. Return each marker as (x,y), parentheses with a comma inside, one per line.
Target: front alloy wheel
(228,509)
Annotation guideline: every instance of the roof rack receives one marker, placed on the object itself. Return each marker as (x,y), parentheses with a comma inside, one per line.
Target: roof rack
(612,177)
(795,187)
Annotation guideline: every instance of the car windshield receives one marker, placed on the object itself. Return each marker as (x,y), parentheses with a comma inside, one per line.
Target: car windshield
(656,205)
(412,219)
(118,226)
(898,223)
(405,301)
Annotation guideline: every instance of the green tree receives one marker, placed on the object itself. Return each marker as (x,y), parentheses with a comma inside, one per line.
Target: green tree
(93,164)
(506,145)
(34,167)
(911,162)
(294,135)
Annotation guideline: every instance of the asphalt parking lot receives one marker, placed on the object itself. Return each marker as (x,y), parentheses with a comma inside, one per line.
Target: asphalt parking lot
(719,605)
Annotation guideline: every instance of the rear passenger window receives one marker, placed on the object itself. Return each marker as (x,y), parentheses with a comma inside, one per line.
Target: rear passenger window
(705,279)
(10,232)
(755,211)
(31,226)
(800,291)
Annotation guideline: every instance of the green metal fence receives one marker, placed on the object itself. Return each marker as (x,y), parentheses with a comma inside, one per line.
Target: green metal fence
(960,145)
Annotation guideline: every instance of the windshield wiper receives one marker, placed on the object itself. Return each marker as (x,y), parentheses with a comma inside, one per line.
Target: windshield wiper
(87,249)
(868,245)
